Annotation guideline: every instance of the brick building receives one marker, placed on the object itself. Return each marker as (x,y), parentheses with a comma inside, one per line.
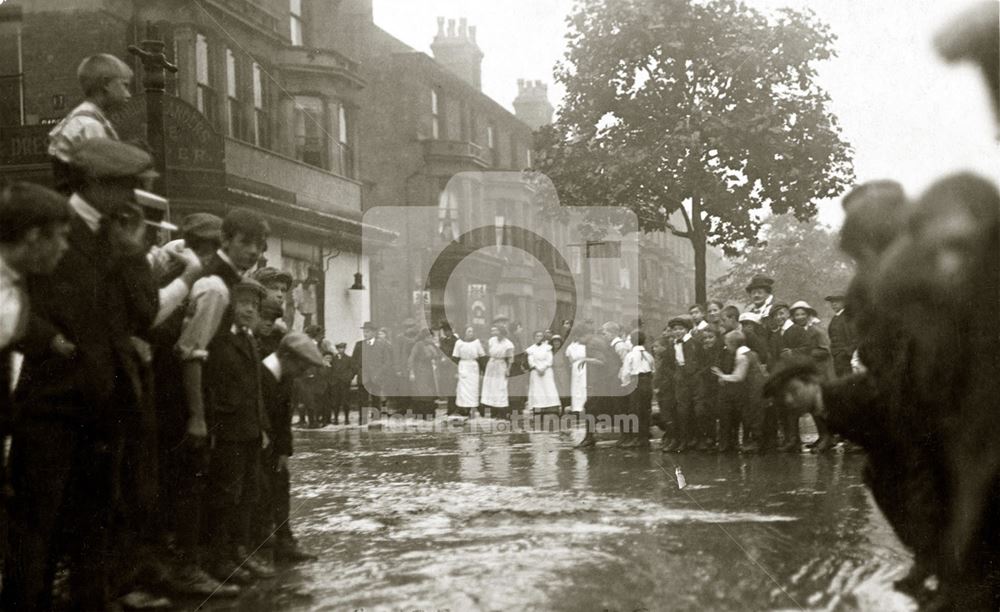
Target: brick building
(261,114)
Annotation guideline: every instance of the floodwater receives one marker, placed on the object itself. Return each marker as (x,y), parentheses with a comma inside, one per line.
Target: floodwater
(470,520)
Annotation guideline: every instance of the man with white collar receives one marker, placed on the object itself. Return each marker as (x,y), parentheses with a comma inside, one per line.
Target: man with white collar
(761,293)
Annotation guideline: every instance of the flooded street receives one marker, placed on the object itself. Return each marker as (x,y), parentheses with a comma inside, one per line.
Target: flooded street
(464,520)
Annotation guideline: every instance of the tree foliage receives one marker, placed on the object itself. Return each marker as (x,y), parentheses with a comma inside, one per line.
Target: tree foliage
(802,258)
(707,106)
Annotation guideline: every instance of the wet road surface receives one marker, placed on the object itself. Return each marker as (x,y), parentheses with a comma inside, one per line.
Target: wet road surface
(466,520)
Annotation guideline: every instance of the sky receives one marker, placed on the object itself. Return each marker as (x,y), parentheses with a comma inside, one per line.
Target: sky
(909,116)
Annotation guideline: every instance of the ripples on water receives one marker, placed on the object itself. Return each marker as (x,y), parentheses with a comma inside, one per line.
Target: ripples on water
(467,521)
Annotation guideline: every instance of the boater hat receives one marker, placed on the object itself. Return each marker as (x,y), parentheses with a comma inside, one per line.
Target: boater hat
(803,305)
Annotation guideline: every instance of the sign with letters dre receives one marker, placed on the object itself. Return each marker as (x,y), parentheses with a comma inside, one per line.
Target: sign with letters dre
(24,145)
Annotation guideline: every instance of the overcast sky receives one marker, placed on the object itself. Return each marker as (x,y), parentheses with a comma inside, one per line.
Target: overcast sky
(909,116)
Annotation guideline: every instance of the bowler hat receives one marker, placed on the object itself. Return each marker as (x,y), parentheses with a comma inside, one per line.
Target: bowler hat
(369,326)
(803,305)
(796,366)
(303,347)
(836,297)
(761,282)
(202,226)
(685,322)
(104,158)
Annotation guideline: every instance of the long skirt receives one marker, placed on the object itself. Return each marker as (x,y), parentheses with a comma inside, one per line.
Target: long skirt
(467,391)
(495,384)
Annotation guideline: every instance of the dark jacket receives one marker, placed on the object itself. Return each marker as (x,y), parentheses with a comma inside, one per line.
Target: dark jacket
(843,343)
(232,382)
(342,369)
(277,396)
(98,301)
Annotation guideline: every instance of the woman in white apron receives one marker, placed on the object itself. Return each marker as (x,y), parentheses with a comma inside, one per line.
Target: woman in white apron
(576,352)
(468,350)
(543,397)
(501,352)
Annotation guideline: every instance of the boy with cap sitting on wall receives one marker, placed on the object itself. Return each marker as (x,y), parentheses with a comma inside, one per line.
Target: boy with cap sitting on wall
(295,354)
(237,426)
(105,82)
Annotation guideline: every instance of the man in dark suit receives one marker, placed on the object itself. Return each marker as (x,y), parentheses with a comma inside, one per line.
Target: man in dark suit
(448,369)
(341,372)
(372,359)
(687,355)
(295,354)
(80,385)
(843,340)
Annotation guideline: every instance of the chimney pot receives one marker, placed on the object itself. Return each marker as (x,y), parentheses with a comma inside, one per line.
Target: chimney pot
(463,27)
(451,27)
(440,26)
(472,33)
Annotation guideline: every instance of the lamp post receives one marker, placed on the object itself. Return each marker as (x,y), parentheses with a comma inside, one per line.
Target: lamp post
(154,76)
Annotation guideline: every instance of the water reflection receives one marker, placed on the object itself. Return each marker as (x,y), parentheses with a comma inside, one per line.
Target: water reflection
(471,521)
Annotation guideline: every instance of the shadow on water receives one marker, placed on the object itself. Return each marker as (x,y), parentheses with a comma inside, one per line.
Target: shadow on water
(466,521)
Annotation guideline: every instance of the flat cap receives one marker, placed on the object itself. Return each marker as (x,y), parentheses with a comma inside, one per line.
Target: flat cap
(103,158)
(303,347)
(789,369)
(271,308)
(248,285)
(202,226)
(270,275)
(686,322)
(749,316)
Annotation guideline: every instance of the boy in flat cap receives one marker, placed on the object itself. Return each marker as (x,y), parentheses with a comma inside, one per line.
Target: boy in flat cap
(209,314)
(81,383)
(104,80)
(237,425)
(295,354)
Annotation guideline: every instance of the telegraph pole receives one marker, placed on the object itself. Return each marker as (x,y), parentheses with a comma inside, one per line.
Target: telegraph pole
(154,76)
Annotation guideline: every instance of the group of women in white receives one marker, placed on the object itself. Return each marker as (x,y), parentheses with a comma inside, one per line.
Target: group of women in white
(556,378)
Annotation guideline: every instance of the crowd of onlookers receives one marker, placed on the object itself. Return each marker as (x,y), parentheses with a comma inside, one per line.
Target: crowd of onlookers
(706,371)
(146,390)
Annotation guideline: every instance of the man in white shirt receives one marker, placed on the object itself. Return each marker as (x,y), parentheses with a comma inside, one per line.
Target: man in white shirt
(637,370)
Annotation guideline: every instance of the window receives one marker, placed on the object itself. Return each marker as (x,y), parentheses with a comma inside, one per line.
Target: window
(344,140)
(205,96)
(447,213)
(527,155)
(261,135)
(310,136)
(232,92)
(11,74)
(295,22)
(435,115)
(491,143)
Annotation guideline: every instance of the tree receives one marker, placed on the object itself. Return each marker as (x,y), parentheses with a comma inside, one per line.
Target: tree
(707,107)
(802,258)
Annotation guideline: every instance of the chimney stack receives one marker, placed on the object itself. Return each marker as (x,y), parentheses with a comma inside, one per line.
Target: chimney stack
(532,104)
(456,49)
